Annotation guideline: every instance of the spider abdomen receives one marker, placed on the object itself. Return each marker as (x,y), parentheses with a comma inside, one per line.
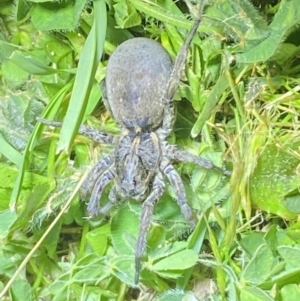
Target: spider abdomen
(137,76)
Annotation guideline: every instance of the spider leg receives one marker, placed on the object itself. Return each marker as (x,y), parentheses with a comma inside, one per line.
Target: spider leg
(169,114)
(147,211)
(113,199)
(178,186)
(101,183)
(181,57)
(181,155)
(96,135)
(88,184)
(85,130)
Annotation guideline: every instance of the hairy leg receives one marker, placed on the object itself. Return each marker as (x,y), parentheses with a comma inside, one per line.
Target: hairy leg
(104,179)
(147,211)
(97,170)
(174,81)
(179,189)
(183,156)
(85,130)
(113,199)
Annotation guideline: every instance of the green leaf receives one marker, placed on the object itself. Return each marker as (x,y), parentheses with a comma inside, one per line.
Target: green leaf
(21,290)
(293,232)
(167,250)
(124,227)
(57,16)
(237,19)
(91,274)
(7,218)
(17,113)
(97,238)
(13,73)
(290,255)
(58,288)
(254,294)
(52,239)
(171,15)
(157,236)
(282,278)
(22,7)
(251,241)
(177,295)
(168,210)
(290,292)
(6,48)
(4,197)
(292,203)
(274,177)
(285,20)
(195,243)
(34,199)
(285,52)
(57,50)
(125,15)
(123,268)
(8,176)
(179,261)
(260,266)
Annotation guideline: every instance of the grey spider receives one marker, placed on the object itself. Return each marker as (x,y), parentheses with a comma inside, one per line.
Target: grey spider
(140,83)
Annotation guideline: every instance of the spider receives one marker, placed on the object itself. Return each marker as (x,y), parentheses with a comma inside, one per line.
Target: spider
(138,89)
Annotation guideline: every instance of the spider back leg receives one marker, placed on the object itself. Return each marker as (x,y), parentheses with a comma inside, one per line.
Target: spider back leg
(179,189)
(147,211)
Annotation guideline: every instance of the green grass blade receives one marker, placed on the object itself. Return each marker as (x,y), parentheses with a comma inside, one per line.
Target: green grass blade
(9,152)
(33,66)
(89,59)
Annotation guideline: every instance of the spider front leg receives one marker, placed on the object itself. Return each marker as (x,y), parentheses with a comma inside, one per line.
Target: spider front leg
(176,182)
(147,211)
(85,130)
(104,179)
(183,156)
(113,199)
(88,184)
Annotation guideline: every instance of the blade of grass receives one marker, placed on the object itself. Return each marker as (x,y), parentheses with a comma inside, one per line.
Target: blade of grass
(9,152)
(215,95)
(88,63)
(221,276)
(220,86)
(33,66)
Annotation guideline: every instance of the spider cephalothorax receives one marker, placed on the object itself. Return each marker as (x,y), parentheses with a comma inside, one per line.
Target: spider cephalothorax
(136,161)
(138,91)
